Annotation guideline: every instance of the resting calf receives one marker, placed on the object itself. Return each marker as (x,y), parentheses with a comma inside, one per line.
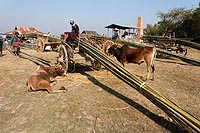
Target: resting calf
(126,55)
(42,78)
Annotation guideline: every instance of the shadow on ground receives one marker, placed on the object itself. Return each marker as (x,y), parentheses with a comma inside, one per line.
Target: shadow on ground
(157,119)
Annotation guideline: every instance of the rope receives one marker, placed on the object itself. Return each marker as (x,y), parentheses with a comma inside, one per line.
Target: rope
(141,86)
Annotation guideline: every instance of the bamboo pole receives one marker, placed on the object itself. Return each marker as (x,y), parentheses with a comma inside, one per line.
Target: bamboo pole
(188,43)
(31,46)
(179,116)
(175,40)
(181,57)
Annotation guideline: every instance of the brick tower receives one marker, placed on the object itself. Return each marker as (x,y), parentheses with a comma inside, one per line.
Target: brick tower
(139,31)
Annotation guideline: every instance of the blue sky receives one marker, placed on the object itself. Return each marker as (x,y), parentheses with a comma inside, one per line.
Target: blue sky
(53,15)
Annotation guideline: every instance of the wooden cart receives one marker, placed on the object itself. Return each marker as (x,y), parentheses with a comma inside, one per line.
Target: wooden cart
(166,43)
(66,56)
(41,42)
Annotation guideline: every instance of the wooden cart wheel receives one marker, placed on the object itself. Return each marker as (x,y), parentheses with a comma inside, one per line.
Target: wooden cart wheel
(63,57)
(161,46)
(40,45)
(181,50)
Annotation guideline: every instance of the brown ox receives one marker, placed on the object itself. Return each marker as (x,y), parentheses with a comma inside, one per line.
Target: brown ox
(42,78)
(126,55)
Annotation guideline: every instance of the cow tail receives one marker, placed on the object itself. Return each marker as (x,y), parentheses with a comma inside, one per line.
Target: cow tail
(153,58)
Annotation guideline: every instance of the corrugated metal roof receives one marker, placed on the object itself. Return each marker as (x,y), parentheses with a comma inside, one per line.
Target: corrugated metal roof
(113,26)
(25,30)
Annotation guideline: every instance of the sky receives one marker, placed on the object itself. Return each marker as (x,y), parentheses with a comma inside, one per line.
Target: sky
(94,15)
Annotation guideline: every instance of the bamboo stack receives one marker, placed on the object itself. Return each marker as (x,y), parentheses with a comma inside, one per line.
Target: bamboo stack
(177,114)
(180,41)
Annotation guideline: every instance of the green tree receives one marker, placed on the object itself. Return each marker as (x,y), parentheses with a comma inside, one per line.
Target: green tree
(173,19)
(196,23)
(190,27)
(185,24)
(151,30)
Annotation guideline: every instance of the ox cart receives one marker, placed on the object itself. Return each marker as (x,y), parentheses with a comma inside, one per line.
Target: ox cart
(166,43)
(42,42)
(67,53)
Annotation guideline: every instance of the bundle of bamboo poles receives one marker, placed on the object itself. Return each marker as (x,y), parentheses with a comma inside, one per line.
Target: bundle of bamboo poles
(177,114)
(32,58)
(188,43)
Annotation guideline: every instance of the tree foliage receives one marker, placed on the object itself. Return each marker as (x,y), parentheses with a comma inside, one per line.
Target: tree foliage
(196,23)
(184,23)
(173,19)
(151,30)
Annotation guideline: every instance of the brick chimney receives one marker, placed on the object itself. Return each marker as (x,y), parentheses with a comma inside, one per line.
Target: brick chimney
(139,31)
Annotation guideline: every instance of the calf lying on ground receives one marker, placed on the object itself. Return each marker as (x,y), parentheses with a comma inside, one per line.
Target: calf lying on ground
(126,55)
(42,78)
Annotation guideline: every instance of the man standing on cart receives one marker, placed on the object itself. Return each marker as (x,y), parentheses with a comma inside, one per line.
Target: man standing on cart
(74,34)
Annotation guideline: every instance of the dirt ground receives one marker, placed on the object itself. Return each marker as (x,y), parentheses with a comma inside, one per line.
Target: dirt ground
(96,101)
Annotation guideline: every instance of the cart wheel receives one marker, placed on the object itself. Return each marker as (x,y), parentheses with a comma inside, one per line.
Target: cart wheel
(63,58)
(40,45)
(96,65)
(161,46)
(182,51)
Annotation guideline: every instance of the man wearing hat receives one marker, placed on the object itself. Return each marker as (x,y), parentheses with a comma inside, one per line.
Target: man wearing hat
(74,34)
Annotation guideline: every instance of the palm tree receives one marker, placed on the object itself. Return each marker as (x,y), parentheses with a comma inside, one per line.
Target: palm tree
(151,30)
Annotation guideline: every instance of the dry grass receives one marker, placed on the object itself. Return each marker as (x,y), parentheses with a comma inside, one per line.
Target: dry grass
(96,101)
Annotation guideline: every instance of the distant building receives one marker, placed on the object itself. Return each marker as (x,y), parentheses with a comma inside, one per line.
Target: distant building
(127,31)
(89,32)
(25,30)
(122,29)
